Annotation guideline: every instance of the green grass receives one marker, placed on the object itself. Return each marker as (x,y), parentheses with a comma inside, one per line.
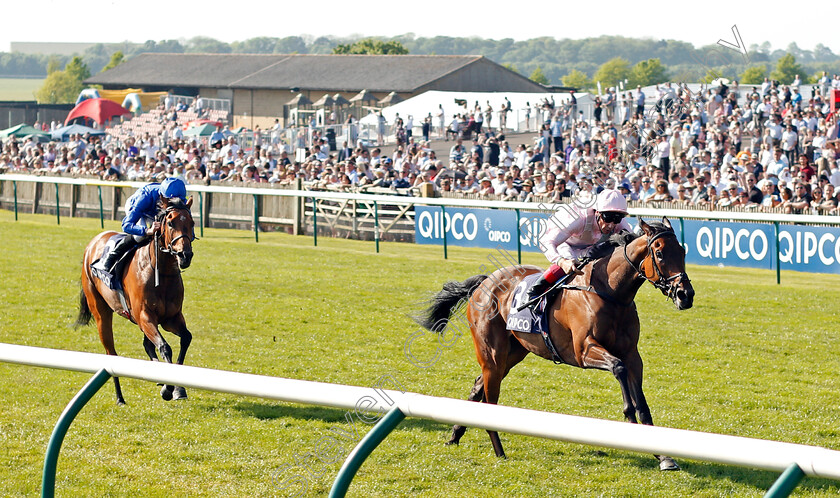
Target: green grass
(750,359)
(19,88)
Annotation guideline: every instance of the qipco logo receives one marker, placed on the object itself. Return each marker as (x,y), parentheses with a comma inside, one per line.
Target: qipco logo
(432,225)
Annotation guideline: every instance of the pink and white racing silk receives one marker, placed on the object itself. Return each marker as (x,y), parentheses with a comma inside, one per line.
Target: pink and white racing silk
(571,231)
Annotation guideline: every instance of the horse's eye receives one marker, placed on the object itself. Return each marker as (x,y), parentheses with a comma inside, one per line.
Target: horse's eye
(169,224)
(658,254)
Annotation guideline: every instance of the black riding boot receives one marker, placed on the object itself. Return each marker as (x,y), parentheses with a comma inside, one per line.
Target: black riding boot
(538,288)
(119,250)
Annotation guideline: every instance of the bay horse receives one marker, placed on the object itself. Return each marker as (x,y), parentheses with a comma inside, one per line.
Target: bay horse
(148,305)
(594,325)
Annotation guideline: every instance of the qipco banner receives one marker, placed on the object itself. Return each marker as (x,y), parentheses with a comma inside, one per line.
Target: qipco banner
(753,245)
(750,245)
(468,227)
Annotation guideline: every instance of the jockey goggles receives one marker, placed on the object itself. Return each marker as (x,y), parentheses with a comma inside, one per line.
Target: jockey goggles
(612,216)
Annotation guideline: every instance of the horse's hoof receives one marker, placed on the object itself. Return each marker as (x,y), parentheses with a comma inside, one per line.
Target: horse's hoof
(668,463)
(451,442)
(179,393)
(120,402)
(166,393)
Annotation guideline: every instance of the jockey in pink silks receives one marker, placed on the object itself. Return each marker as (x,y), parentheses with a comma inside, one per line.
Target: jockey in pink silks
(573,231)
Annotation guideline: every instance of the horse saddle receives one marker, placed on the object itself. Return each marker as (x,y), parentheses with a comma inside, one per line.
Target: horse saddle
(531,320)
(111,276)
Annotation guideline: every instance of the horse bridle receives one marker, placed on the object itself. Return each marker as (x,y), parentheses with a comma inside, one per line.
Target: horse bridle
(169,249)
(668,285)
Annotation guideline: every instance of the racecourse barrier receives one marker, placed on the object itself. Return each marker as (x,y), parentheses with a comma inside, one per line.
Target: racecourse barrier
(795,460)
(806,243)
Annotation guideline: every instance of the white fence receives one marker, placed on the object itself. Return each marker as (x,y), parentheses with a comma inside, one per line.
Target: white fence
(732,450)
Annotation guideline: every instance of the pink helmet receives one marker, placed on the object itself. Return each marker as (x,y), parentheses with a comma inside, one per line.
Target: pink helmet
(611,200)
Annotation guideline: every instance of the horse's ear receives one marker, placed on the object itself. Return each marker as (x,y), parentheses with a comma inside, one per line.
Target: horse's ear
(189,201)
(667,223)
(645,227)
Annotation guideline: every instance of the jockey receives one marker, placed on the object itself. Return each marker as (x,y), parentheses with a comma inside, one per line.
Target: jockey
(574,232)
(139,222)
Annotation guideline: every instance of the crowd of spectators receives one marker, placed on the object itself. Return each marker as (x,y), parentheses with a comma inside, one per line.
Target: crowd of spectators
(762,147)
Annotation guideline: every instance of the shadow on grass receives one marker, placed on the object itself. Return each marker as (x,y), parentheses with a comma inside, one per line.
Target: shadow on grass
(761,480)
(264,411)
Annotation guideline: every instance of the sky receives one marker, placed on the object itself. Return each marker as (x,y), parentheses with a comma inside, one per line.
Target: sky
(699,23)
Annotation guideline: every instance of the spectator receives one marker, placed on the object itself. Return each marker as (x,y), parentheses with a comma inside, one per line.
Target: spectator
(801,200)
(661,193)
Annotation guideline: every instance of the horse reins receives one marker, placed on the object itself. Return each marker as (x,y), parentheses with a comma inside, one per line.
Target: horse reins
(668,285)
(169,249)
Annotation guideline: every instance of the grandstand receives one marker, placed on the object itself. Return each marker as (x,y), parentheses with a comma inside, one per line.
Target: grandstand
(155,121)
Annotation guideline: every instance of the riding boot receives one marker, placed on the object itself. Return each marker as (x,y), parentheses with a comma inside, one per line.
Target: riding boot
(538,288)
(119,250)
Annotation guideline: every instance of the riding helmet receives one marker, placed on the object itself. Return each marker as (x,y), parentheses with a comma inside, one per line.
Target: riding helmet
(611,200)
(173,187)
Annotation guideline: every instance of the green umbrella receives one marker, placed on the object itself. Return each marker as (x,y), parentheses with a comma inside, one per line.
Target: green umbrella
(21,131)
(204,130)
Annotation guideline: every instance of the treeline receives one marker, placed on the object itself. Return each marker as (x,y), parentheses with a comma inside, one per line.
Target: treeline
(554,58)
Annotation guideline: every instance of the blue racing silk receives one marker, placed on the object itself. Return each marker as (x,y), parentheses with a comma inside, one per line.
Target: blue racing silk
(141,205)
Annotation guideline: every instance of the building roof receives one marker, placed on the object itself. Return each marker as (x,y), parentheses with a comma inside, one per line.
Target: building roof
(184,70)
(376,73)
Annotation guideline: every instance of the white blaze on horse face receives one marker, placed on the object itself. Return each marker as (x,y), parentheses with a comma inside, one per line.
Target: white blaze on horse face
(183,218)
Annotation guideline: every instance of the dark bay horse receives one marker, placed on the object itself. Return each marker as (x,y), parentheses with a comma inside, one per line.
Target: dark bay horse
(590,328)
(148,305)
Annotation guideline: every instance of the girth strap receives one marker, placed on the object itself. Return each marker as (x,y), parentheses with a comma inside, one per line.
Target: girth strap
(544,332)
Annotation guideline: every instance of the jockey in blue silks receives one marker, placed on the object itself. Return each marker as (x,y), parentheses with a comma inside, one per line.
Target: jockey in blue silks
(139,221)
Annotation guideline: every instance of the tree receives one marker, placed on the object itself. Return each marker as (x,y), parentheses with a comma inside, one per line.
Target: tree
(53,65)
(823,53)
(169,47)
(649,72)
(290,45)
(577,79)
(711,75)
(206,45)
(258,45)
(77,69)
(754,75)
(612,72)
(59,88)
(372,46)
(62,87)
(787,69)
(117,58)
(163,46)
(538,76)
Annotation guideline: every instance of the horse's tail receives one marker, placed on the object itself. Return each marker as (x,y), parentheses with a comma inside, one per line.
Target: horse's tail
(84,311)
(446,301)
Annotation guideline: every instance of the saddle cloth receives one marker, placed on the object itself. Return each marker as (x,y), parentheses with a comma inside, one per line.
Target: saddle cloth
(530,321)
(110,279)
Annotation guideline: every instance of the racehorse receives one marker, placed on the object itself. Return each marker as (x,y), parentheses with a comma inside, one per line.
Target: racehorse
(146,303)
(593,325)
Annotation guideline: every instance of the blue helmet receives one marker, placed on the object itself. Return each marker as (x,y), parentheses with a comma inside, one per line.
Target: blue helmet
(173,187)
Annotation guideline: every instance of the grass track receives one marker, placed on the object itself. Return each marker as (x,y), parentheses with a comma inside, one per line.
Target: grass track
(734,364)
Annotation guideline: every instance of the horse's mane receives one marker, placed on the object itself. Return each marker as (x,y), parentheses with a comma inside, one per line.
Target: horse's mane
(624,238)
